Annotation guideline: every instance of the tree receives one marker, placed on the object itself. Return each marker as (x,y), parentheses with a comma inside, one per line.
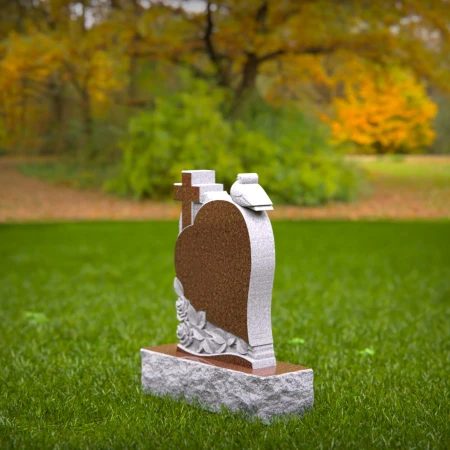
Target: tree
(92,71)
(56,56)
(275,49)
(27,64)
(389,113)
(234,41)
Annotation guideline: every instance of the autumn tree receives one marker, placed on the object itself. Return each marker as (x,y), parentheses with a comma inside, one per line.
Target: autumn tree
(234,41)
(88,53)
(27,63)
(58,55)
(91,69)
(389,112)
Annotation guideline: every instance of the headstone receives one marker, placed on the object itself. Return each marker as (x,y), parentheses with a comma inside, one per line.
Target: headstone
(224,265)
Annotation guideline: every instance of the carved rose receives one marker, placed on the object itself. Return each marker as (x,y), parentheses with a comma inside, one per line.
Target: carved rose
(184,334)
(199,335)
(182,306)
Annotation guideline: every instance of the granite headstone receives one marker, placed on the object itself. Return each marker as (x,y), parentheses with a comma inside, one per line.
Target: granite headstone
(224,265)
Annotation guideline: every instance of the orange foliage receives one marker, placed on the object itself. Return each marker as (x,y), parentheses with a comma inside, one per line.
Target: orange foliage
(386,113)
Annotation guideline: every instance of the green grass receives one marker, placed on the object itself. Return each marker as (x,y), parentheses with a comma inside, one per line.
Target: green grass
(406,169)
(366,305)
(409,170)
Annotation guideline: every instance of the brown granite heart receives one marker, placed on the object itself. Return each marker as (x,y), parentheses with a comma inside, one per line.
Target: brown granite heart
(213,263)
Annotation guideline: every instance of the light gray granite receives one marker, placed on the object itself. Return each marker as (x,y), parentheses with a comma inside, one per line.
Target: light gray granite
(216,387)
(248,193)
(262,246)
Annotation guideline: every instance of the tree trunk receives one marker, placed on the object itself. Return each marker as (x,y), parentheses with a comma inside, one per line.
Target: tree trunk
(132,75)
(58,119)
(249,73)
(87,150)
(132,88)
(247,88)
(133,91)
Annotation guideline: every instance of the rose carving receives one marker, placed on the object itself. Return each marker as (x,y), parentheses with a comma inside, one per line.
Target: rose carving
(198,335)
(182,306)
(184,334)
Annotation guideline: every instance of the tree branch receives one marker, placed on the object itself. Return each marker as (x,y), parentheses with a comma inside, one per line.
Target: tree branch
(271,55)
(208,36)
(216,58)
(261,15)
(317,50)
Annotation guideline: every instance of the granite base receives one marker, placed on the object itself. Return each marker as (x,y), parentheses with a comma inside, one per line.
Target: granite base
(264,393)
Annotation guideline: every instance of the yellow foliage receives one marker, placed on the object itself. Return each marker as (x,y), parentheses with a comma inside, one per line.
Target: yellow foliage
(385,112)
(290,75)
(27,63)
(30,64)
(92,71)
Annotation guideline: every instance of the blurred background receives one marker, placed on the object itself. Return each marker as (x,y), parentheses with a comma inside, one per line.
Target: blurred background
(341,107)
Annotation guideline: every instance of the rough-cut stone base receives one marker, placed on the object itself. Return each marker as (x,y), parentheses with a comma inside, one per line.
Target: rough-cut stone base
(263,393)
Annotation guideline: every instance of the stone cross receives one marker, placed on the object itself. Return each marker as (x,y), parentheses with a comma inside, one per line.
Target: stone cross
(194,183)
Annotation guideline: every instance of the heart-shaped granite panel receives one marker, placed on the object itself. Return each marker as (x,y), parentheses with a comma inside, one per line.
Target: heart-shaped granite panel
(213,263)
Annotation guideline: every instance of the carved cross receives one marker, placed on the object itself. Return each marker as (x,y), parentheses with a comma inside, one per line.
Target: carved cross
(187,194)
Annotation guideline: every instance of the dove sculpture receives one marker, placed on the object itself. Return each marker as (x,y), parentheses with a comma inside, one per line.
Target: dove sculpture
(247,193)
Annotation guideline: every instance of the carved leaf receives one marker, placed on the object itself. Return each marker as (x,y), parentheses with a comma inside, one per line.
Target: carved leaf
(221,333)
(201,317)
(193,316)
(218,339)
(241,347)
(196,346)
(206,346)
(178,287)
(222,348)
(231,340)
(199,335)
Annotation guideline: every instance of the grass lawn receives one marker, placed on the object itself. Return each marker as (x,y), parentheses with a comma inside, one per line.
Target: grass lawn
(371,301)
(413,170)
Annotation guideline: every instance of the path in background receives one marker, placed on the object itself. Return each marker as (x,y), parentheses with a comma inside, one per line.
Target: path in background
(24,198)
(417,188)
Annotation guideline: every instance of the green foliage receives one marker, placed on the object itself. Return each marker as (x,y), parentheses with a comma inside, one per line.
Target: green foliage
(188,131)
(101,291)
(69,173)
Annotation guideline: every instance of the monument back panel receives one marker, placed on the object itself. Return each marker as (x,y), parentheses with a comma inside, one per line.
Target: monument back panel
(213,262)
